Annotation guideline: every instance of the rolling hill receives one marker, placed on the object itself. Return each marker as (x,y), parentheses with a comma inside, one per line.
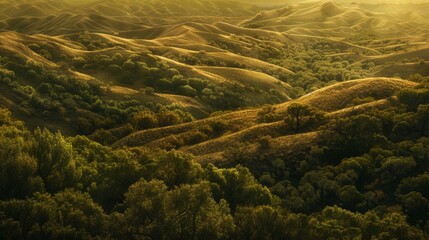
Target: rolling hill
(246,126)
(112,16)
(244,63)
(230,65)
(331,19)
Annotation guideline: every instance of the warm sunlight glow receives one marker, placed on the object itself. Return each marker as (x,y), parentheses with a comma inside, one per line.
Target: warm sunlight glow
(214,119)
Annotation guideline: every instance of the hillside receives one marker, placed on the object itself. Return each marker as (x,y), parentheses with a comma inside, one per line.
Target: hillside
(213,73)
(112,16)
(341,20)
(202,66)
(246,126)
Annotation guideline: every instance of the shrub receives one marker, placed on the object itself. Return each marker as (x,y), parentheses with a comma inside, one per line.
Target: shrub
(187,91)
(194,137)
(219,126)
(145,120)
(168,118)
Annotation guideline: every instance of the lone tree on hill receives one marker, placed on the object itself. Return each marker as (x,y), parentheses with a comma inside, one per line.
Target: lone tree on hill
(301,115)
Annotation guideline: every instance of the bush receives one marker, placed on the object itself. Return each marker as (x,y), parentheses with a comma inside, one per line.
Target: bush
(197,84)
(168,118)
(149,91)
(194,137)
(144,120)
(187,91)
(219,126)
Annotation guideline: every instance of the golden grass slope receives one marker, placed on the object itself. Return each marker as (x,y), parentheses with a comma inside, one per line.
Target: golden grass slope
(404,69)
(331,19)
(340,95)
(245,126)
(108,16)
(252,77)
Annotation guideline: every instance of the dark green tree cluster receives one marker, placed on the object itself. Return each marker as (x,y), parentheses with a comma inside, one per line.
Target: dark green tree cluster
(54,187)
(374,165)
(83,105)
(318,63)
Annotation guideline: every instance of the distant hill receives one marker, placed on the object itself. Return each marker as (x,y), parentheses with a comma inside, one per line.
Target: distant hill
(52,17)
(332,19)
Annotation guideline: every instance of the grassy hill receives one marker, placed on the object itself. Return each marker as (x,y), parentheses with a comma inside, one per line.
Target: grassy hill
(50,17)
(230,80)
(247,126)
(332,19)
(204,66)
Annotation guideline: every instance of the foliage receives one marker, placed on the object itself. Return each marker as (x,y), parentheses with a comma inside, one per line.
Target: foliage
(301,116)
(368,179)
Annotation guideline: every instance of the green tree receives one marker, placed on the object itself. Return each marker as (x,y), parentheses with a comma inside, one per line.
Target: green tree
(297,112)
(266,222)
(66,215)
(301,115)
(55,160)
(349,197)
(238,186)
(353,136)
(416,207)
(145,120)
(186,212)
(113,176)
(337,223)
(168,118)
(176,168)
(18,176)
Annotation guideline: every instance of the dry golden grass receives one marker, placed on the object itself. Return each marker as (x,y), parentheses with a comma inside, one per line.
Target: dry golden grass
(398,57)
(338,96)
(12,42)
(221,56)
(67,16)
(279,147)
(251,134)
(405,69)
(334,99)
(247,77)
(331,19)
(239,120)
(172,29)
(17,43)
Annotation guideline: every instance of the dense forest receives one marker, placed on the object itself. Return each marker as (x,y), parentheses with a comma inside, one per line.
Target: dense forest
(368,179)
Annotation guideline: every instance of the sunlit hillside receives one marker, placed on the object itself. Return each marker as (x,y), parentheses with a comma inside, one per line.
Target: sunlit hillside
(214,119)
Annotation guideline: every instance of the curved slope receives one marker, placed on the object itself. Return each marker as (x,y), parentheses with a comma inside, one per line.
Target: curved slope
(331,19)
(246,126)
